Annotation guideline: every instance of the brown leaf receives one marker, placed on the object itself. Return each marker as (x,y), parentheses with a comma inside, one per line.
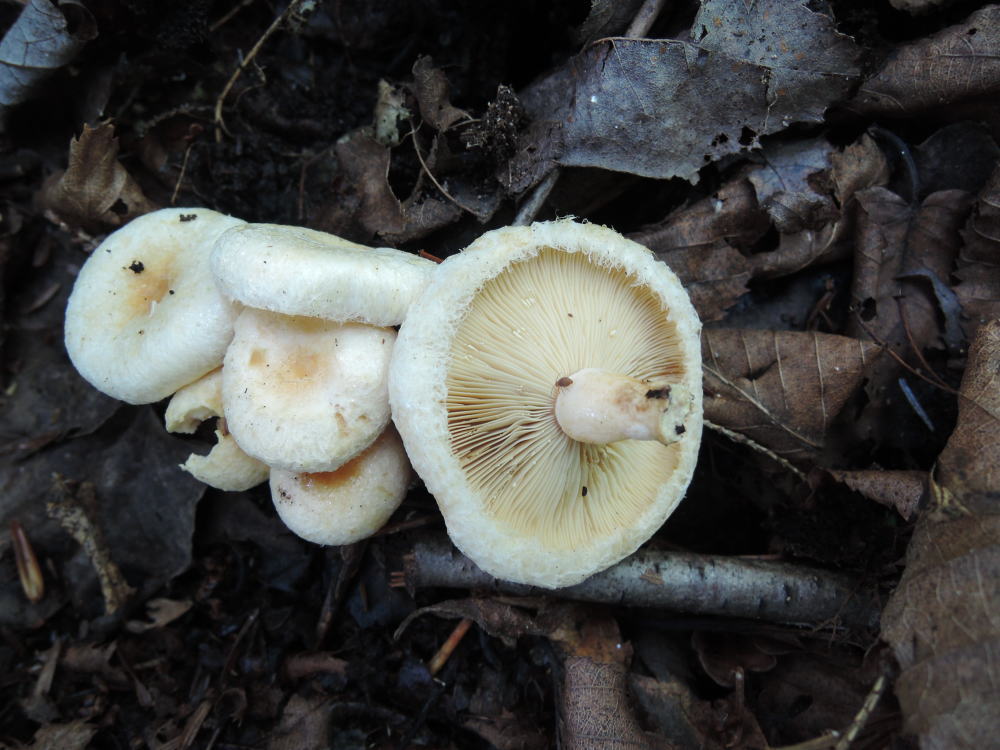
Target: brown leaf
(675,711)
(903,260)
(379,212)
(969,466)
(902,490)
(499,619)
(941,621)
(304,725)
(45,37)
(74,735)
(95,192)
(665,108)
(432,92)
(162,611)
(699,243)
(781,388)
(979,259)
(790,184)
(957,63)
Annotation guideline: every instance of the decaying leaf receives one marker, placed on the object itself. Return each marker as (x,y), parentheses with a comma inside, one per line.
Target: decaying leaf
(162,612)
(379,212)
(44,38)
(781,389)
(74,735)
(666,108)
(958,63)
(805,189)
(95,192)
(942,620)
(432,91)
(304,725)
(979,259)
(902,490)
(699,242)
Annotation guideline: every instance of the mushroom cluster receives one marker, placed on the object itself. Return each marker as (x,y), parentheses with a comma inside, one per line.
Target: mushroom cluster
(282,334)
(545,382)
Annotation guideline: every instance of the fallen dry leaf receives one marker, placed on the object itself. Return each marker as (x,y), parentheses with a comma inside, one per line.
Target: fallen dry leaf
(957,63)
(161,612)
(95,192)
(979,259)
(665,107)
(902,490)
(378,211)
(805,189)
(781,389)
(903,261)
(432,91)
(74,735)
(941,621)
(699,242)
(44,38)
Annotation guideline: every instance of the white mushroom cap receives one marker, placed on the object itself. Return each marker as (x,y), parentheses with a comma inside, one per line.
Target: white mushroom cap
(480,363)
(349,504)
(145,317)
(305,394)
(299,271)
(226,467)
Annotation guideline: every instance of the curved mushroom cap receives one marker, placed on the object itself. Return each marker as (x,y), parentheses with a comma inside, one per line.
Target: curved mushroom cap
(305,394)
(226,467)
(145,317)
(476,371)
(349,504)
(299,271)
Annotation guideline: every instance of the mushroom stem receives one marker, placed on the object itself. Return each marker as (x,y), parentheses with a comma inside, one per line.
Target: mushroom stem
(598,406)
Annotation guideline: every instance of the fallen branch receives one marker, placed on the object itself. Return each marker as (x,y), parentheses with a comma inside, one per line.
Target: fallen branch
(680,581)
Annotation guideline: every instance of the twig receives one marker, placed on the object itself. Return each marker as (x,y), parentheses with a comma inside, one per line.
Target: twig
(679,581)
(228,16)
(220,124)
(180,176)
(902,362)
(761,407)
(864,713)
(645,18)
(530,208)
(448,647)
(738,437)
(427,171)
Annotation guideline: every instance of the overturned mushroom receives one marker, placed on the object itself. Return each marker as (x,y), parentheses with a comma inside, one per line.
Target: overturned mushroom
(547,386)
(145,317)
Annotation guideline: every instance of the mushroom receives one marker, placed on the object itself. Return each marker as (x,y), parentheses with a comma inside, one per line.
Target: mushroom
(145,317)
(547,387)
(349,504)
(305,394)
(304,387)
(226,467)
(299,271)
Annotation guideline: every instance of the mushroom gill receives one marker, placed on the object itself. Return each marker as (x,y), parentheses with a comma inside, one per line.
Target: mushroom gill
(536,322)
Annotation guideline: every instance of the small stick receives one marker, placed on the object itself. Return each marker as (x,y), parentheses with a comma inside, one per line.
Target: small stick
(645,18)
(530,208)
(220,124)
(448,647)
(678,581)
(427,171)
(738,437)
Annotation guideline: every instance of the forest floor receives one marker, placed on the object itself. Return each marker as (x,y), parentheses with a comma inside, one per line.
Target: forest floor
(823,178)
